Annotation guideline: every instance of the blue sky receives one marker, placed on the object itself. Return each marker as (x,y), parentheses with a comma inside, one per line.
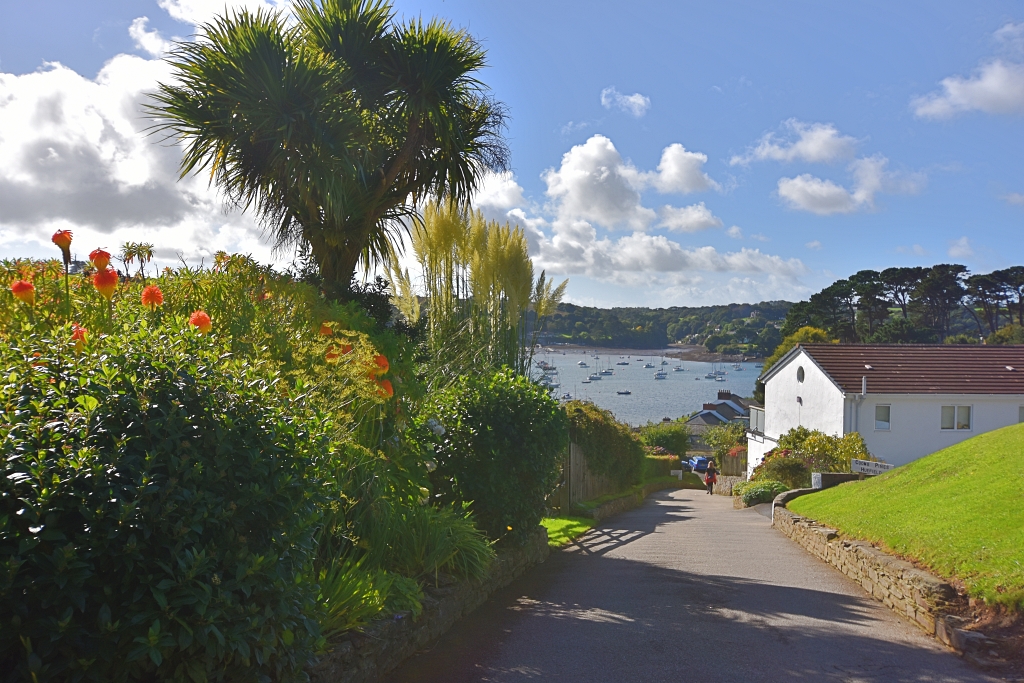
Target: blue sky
(663,153)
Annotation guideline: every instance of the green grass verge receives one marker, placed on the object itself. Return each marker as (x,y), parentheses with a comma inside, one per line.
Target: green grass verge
(562,530)
(959,511)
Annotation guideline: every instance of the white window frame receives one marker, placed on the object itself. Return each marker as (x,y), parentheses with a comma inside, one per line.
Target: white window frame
(956,418)
(1020,414)
(888,427)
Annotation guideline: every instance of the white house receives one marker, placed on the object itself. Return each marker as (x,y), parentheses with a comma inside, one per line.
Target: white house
(905,400)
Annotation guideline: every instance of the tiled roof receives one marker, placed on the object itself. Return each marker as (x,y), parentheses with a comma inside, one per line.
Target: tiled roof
(922,368)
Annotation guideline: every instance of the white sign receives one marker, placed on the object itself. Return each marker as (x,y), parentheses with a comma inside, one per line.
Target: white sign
(869,467)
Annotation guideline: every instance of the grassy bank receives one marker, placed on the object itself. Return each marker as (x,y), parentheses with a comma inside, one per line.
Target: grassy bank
(958,511)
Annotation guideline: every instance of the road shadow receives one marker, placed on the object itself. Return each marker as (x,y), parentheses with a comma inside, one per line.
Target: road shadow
(587,617)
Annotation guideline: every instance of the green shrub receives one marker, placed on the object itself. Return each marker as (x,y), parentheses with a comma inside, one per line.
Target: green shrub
(674,437)
(156,514)
(784,466)
(611,448)
(660,465)
(739,487)
(763,491)
(497,443)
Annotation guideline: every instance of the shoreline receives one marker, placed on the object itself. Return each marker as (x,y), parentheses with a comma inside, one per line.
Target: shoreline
(697,354)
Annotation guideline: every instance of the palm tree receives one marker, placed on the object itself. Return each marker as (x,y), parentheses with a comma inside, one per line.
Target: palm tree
(334,126)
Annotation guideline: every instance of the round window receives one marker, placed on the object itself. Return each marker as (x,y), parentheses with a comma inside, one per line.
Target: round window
(800,374)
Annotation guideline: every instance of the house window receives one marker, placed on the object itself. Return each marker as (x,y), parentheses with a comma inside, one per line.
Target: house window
(956,417)
(882,414)
(800,374)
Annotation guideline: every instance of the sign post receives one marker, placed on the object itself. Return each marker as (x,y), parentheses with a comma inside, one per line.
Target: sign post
(869,467)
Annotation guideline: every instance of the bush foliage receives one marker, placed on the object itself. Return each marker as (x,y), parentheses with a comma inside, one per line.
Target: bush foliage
(611,448)
(674,437)
(763,491)
(497,441)
(157,513)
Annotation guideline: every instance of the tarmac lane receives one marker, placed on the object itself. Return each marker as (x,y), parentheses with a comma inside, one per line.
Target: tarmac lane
(684,588)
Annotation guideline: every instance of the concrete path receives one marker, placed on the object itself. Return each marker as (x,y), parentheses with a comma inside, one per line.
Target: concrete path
(684,589)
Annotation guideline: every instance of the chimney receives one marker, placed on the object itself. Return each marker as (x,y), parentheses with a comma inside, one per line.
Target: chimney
(864,385)
(724,395)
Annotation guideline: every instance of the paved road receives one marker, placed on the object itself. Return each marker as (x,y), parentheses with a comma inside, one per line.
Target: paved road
(683,589)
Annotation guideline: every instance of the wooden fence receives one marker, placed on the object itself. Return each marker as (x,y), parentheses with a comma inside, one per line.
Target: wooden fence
(578,482)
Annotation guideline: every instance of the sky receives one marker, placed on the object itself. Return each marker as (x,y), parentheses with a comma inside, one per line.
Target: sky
(663,153)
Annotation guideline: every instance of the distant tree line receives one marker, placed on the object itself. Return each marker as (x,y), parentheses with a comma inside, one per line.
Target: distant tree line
(639,328)
(944,303)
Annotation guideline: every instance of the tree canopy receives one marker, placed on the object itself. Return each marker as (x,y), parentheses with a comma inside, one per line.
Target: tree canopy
(333,125)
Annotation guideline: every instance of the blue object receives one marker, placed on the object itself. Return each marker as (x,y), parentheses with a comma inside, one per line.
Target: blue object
(698,464)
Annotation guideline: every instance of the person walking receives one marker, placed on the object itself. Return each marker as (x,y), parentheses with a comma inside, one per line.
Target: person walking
(711,476)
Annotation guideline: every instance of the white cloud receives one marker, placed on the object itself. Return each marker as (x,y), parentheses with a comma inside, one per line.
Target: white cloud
(574,248)
(201,11)
(680,171)
(1015,198)
(815,143)
(635,104)
(595,184)
(499,191)
(74,154)
(1011,36)
(824,197)
(759,237)
(814,245)
(916,250)
(692,218)
(960,248)
(735,232)
(150,41)
(995,88)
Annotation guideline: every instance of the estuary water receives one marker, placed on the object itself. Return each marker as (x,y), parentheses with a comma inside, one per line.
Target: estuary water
(650,400)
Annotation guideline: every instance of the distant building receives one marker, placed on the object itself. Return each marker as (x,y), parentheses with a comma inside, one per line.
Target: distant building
(906,401)
(727,408)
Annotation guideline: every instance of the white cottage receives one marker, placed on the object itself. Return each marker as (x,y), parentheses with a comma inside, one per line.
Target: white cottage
(905,400)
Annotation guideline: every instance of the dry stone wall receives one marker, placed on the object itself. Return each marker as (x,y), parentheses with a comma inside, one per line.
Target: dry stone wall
(902,587)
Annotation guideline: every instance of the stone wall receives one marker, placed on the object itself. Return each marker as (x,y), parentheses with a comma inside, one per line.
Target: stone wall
(910,592)
(725,483)
(369,655)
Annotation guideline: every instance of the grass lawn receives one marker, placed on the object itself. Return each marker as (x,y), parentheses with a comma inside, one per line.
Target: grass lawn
(959,511)
(561,530)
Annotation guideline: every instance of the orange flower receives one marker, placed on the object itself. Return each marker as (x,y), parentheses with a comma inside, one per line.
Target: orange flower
(105,282)
(201,321)
(25,291)
(346,348)
(62,238)
(100,259)
(382,365)
(152,297)
(325,330)
(78,334)
(385,388)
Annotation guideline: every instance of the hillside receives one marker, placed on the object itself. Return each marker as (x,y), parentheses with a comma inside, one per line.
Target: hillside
(752,326)
(959,511)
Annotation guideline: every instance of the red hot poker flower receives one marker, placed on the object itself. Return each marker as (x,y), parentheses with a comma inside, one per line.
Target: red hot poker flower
(201,321)
(325,330)
(152,297)
(382,364)
(78,334)
(100,259)
(25,291)
(62,238)
(105,282)
(385,388)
